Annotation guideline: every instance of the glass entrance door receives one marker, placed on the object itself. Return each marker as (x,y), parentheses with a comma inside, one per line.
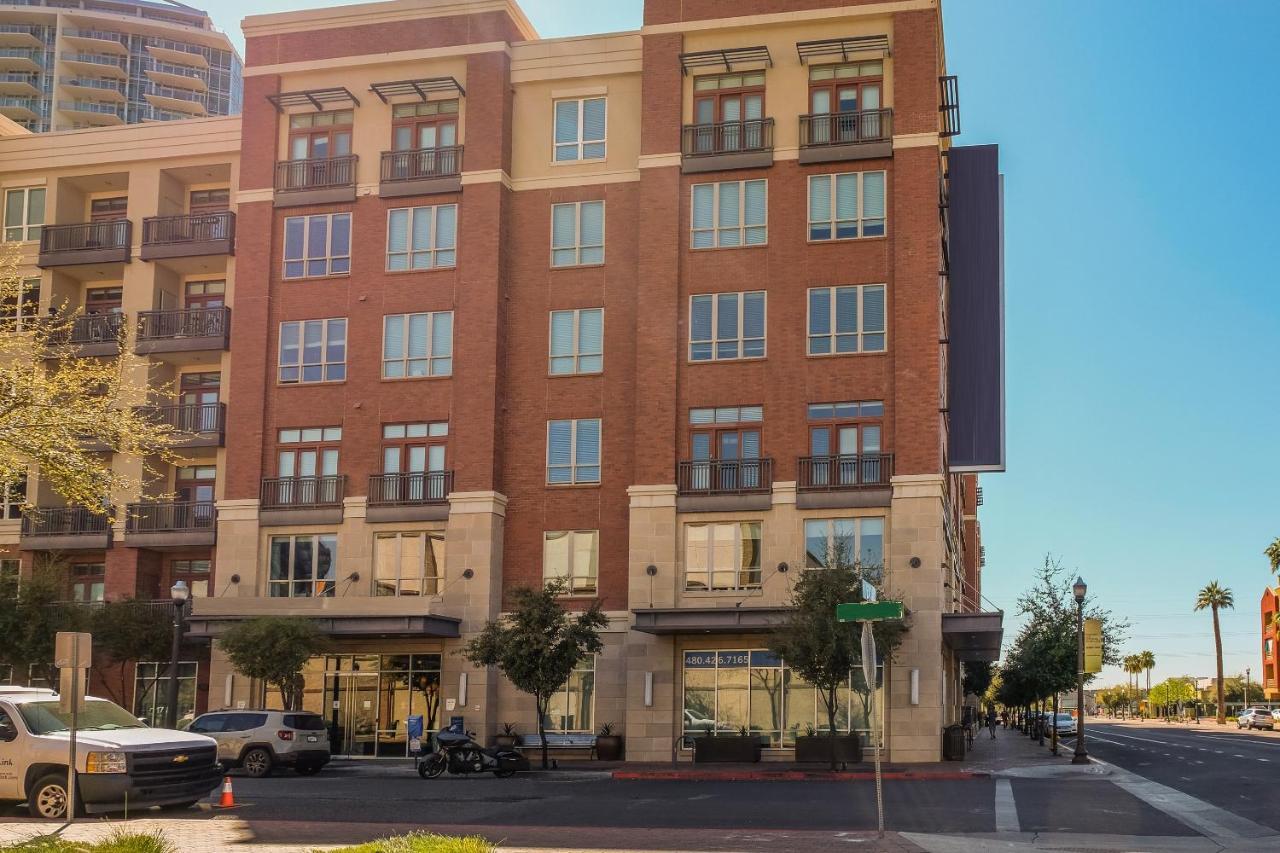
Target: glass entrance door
(367,701)
(353,716)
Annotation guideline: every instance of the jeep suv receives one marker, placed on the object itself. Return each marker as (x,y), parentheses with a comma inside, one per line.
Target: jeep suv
(257,741)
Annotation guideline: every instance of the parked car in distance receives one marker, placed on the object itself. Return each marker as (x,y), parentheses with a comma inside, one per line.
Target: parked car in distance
(1255,718)
(259,741)
(1066,724)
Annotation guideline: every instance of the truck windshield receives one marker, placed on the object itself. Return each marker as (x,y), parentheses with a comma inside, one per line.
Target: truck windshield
(97,715)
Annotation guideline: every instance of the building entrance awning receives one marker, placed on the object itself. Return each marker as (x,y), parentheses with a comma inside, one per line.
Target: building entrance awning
(708,620)
(420,626)
(974,636)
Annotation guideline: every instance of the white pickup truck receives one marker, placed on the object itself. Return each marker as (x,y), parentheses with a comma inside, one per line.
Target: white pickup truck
(121,763)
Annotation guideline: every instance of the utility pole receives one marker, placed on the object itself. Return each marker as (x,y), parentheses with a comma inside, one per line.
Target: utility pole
(1246,686)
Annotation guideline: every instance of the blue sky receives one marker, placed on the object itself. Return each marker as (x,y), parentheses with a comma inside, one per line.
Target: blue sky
(1142,304)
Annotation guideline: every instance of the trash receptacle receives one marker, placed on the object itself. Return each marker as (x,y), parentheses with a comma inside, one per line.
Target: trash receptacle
(953,742)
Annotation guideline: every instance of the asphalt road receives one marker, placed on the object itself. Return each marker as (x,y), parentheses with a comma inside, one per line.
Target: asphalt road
(1231,769)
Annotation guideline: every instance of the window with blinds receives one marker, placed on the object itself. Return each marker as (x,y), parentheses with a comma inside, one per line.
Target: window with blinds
(317,245)
(577,341)
(846,207)
(422,238)
(573,451)
(313,351)
(844,320)
(730,213)
(580,129)
(417,345)
(571,556)
(726,326)
(577,233)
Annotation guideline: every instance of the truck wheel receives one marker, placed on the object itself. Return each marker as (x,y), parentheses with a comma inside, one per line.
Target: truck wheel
(256,762)
(48,798)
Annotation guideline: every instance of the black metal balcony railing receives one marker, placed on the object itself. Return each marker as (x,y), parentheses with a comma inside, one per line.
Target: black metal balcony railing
(191,419)
(303,492)
(92,329)
(189,228)
(848,128)
(115,234)
(316,174)
(184,323)
(170,516)
(834,473)
(411,489)
(63,521)
(421,163)
(725,476)
(728,137)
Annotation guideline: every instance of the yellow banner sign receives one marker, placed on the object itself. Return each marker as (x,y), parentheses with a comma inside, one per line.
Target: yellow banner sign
(1093,645)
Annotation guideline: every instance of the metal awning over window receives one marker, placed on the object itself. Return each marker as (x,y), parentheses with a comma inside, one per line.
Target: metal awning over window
(708,620)
(974,636)
(421,88)
(730,59)
(428,625)
(844,48)
(318,99)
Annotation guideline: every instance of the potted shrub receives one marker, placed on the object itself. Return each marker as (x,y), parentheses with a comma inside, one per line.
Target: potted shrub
(508,737)
(608,745)
(814,746)
(743,747)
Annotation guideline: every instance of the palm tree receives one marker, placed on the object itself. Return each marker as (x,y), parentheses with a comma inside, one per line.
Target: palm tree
(1273,555)
(1216,597)
(1133,666)
(1148,661)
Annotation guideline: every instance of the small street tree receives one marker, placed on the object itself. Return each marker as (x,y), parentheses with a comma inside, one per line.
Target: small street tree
(538,644)
(126,632)
(274,649)
(31,615)
(1216,597)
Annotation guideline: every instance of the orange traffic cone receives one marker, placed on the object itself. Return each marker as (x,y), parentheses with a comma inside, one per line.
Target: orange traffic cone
(228,797)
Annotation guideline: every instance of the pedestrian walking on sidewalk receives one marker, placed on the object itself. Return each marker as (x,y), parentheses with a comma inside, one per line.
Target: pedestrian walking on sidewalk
(991,721)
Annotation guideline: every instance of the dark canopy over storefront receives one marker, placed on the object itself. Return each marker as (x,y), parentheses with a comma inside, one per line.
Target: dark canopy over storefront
(427,625)
(707,620)
(974,636)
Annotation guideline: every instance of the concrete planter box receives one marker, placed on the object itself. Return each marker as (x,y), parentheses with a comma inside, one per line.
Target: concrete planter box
(735,749)
(609,747)
(817,748)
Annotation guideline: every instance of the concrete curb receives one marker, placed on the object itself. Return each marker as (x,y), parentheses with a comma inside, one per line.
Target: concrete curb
(791,775)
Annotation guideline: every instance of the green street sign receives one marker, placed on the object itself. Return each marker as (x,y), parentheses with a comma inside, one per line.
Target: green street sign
(869,611)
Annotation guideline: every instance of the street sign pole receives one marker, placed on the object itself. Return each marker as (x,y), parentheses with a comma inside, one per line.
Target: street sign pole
(72,654)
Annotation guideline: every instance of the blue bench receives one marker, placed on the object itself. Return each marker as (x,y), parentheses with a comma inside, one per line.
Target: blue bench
(557,740)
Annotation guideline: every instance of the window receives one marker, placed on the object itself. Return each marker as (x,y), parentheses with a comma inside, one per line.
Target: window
(573,451)
(20,305)
(848,211)
(580,129)
(415,345)
(23,214)
(422,238)
(577,341)
(844,445)
(109,209)
(309,452)
(209,201)
(572,707)
(432,124)
(725,326)
(724,445)
(846,319)
(845,102)
(319,136)
(313,351)
(87,581)
(195,573)
(732,213)
(727,112)
(571,556)
(150,687)
(317,245)
(722,556)
(303,566)
(13,497)
(413,460)
(408,563)
(845,541)
(577,233)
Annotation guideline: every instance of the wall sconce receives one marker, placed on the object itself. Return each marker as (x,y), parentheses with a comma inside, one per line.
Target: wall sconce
(915,687)
(462,689)
(648,689)
(651,570)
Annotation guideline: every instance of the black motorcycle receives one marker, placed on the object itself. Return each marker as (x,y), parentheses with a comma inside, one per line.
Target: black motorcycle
(461,755)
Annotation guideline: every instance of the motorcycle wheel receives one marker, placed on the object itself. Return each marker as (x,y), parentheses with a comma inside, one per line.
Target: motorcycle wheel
(432,767)
(504,774)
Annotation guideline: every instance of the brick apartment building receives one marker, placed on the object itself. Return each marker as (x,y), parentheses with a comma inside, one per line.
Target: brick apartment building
(1269,674)
(668,314)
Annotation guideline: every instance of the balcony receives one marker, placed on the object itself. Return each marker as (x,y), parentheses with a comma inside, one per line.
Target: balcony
(171,524)
(175,98)
(97,63)
(421,171)
(745,144)
(30,60)
(94,112)
(94,87)
(195,425)
(843,481)
(64,528)
(322,181)
(85,243)
(17,107)
(183,330)
(21,35)
(302,500)
(415,496)
(19,83)
(830,137)
(174,74)
(713,485)
(188,236)
(93,335)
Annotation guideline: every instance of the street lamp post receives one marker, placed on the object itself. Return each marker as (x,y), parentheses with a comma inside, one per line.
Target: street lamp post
(1078,589)
(179,593)
(1246,686)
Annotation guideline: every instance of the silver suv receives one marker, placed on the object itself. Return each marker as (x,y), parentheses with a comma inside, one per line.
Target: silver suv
(258,741)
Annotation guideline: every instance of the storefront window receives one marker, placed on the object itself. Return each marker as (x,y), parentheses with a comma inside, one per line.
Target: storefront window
(367,700)
(151,686)
(727,692)
(572,709)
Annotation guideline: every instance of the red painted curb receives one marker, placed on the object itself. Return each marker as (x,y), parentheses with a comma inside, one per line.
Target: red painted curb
(787,775)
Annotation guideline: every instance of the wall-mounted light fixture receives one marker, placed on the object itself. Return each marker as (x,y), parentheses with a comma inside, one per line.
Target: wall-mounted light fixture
(648,689)
(462,689)
(915,687)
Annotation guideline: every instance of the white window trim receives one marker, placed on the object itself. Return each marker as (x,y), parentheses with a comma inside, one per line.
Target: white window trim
(862,218)
(857,535)
(324,351)
(435,248)
(422,577)
(430,359)
(578,245)
(289,581)
(577,354)
(715,328)
(573,453)
(27,227)
(578,145)
(571,587)
(711,569)
(861,333)
(329,258)
(715,228)
(21,320)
